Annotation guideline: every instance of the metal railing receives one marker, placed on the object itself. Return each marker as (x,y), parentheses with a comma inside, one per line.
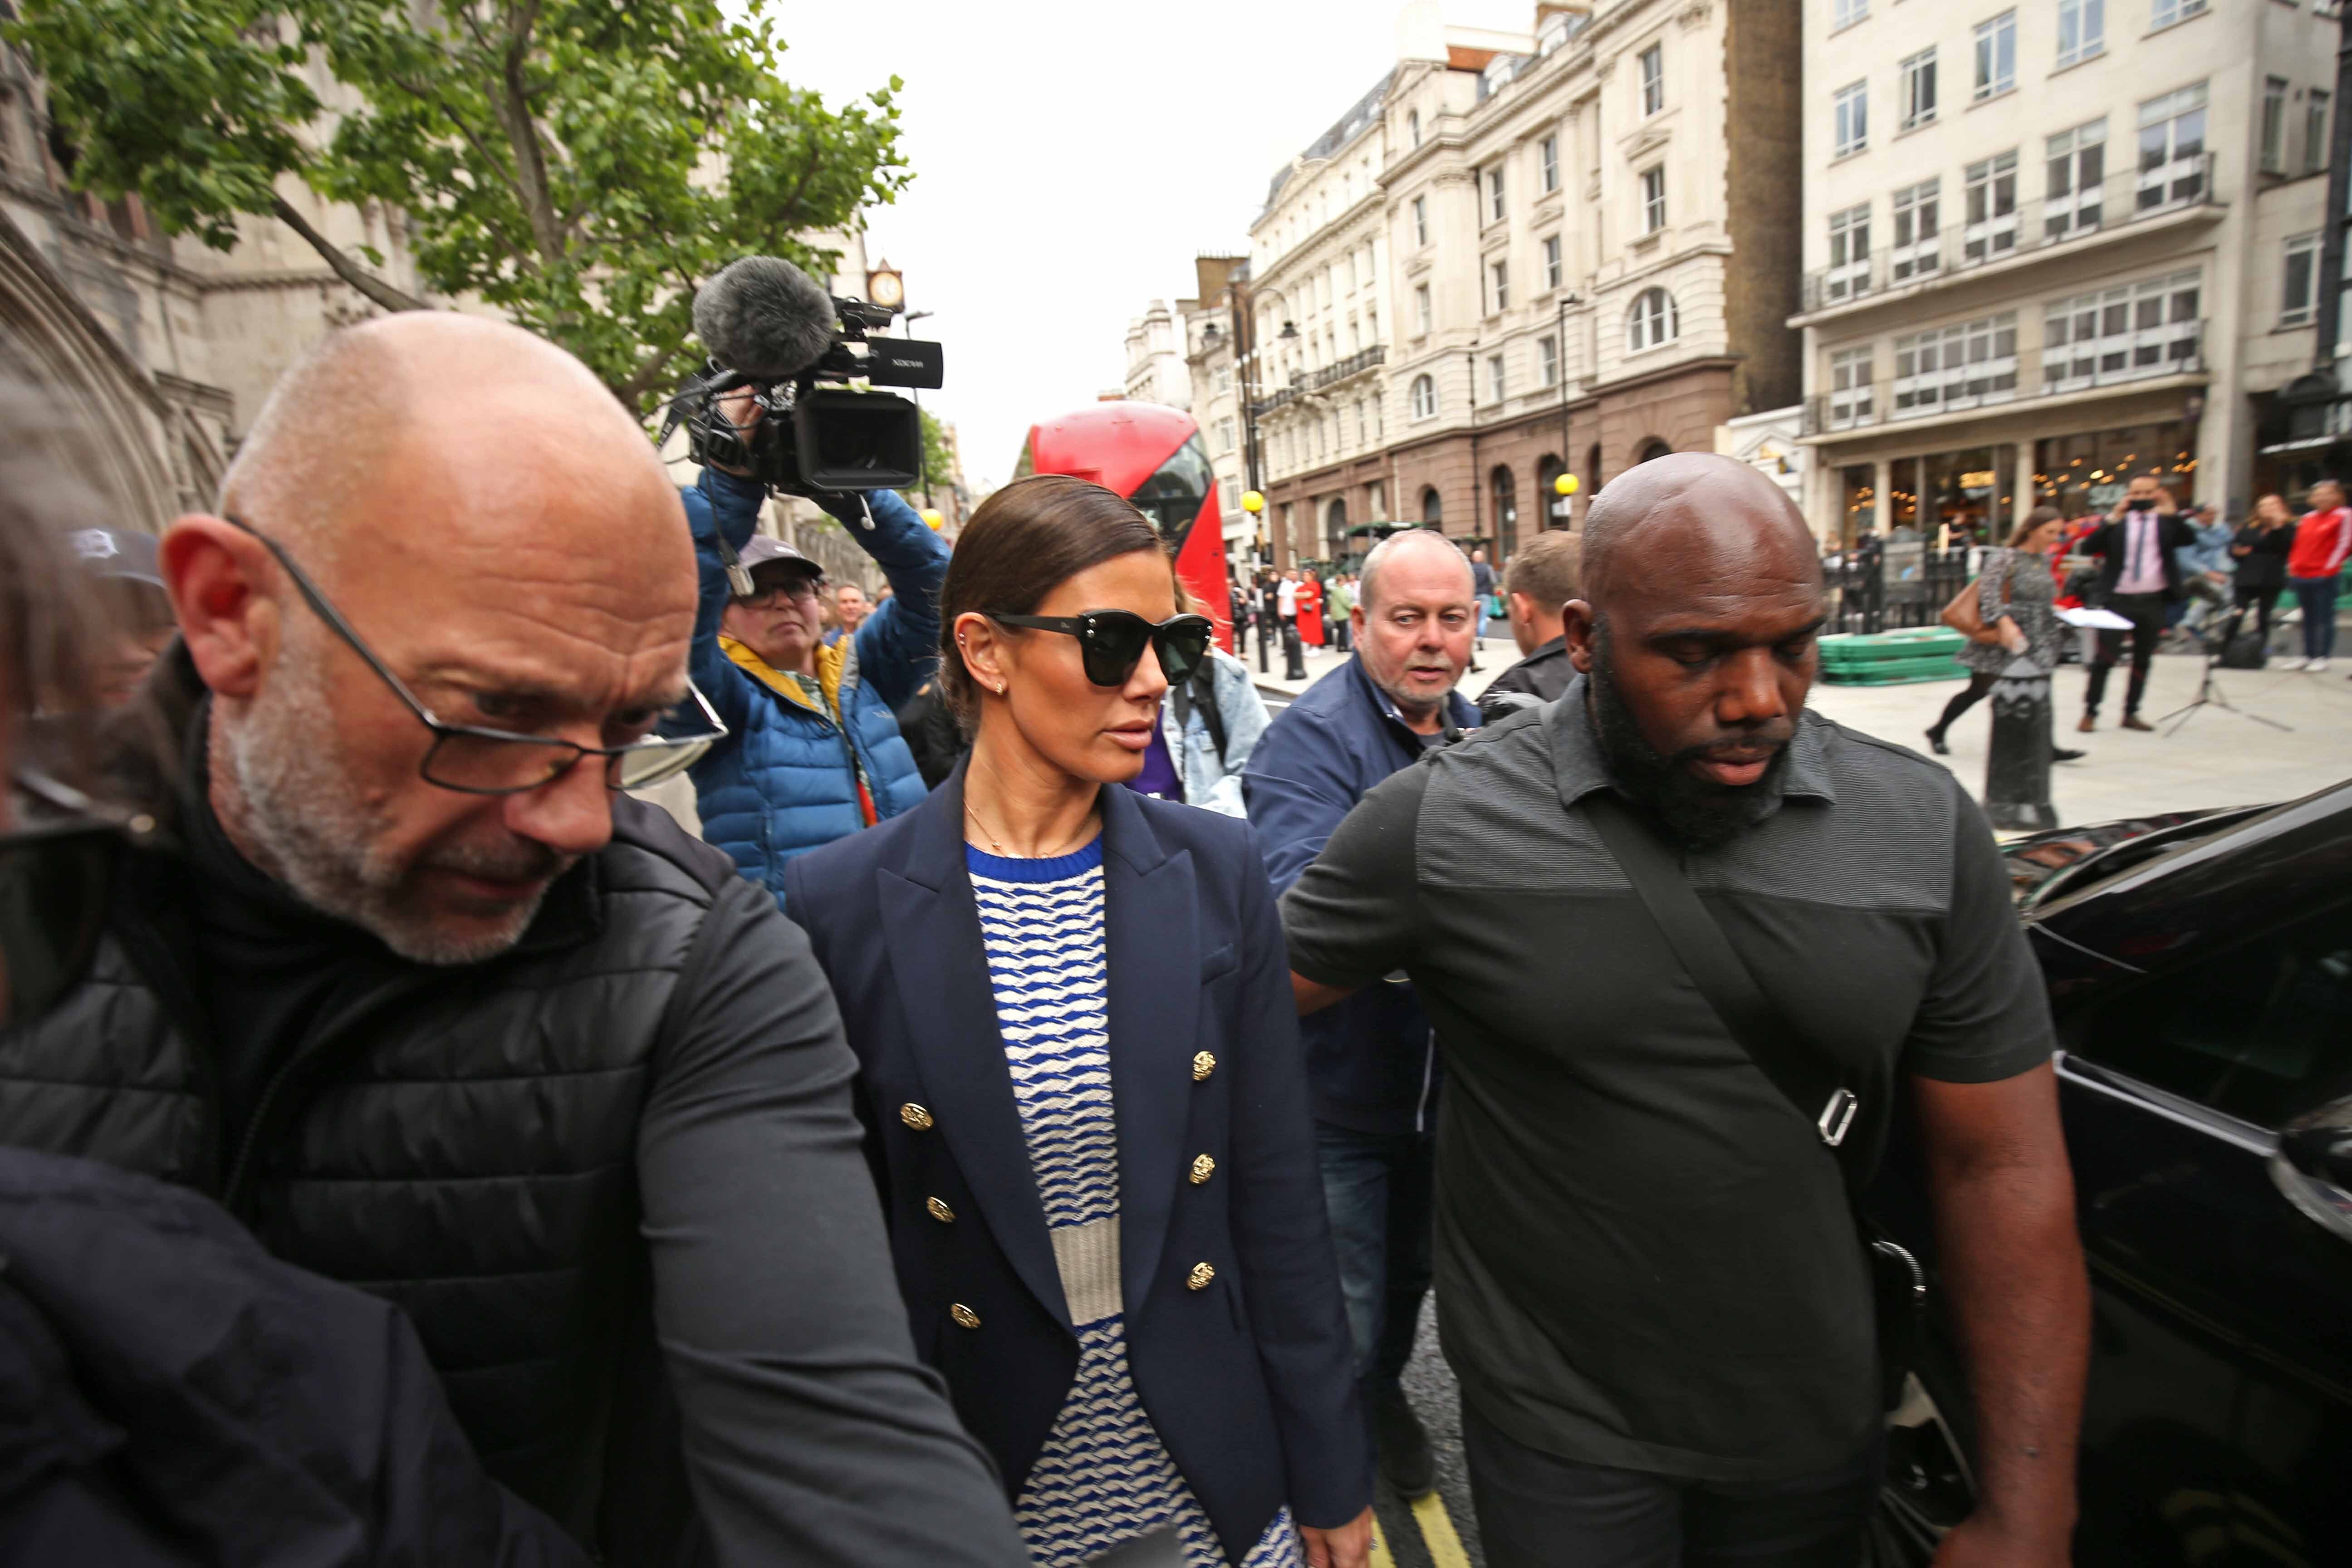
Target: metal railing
(1354,365)
(2005,229)
(1899,583)
(2115,361)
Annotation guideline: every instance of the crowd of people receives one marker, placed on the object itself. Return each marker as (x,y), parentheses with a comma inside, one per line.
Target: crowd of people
(1032,1143)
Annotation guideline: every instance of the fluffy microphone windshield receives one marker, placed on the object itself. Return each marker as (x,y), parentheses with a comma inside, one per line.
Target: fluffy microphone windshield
(765,317)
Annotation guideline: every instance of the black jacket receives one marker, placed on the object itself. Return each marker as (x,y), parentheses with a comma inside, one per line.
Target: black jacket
(268,1418)
(636,1122)
(2264,563)
(1543,674)
(2108,540)
(1247,1376)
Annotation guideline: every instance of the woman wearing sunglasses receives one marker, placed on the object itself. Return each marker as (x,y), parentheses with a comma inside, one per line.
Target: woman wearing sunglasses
(1081,1075)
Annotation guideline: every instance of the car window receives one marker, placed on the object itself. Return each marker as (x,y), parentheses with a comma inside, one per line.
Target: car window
(2261,1031)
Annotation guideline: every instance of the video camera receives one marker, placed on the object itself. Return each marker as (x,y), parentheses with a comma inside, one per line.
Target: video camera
(771,329)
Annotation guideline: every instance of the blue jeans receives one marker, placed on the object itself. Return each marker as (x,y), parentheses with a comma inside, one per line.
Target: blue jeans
(2317,597)
(1377,1187)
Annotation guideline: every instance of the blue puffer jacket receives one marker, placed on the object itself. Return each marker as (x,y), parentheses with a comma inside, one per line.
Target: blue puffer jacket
(783,781)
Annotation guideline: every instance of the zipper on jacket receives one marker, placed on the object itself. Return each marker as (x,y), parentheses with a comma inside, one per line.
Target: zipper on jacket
(1428,1082)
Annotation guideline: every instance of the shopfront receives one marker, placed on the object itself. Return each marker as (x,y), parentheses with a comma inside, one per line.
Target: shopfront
(2086,474)
(1965,497)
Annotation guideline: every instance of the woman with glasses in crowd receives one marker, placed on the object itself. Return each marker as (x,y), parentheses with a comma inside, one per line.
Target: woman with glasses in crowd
(1088,1109)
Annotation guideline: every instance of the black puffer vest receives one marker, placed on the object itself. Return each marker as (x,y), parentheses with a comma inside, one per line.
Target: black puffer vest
(461,1141)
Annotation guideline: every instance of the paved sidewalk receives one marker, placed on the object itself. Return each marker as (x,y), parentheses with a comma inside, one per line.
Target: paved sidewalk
(2216,758)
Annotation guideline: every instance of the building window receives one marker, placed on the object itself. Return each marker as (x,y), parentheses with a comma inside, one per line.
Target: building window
(2148,327)
(2164,13)
(1494,207)
(2275,125)
(1959,366)
(2299,297)
(1413,126)
(2315,131)
(1918,235)
(2082,30)
(1654,79)
(1918,75)
(1421,220)
(2075,192)
(1997,55)
(1363,425)
(1547,361)
(1653,199)
(1651,323)
(1547,161)
(1850,390)
(1420,310)
(1846,12)
(1991,216)
(2172,148)
(1425,397)
(1849,269)
(1851,112)
(1551,262)
(1432,509)
(1224,434)
(1499,287)
(1495,387)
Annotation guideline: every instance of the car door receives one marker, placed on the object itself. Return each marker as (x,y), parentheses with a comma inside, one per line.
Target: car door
(2219,1428)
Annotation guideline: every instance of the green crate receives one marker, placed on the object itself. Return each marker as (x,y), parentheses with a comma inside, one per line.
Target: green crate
(1895,671)
(1845,649)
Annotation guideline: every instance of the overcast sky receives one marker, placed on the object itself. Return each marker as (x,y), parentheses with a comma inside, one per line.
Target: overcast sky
(1071,157)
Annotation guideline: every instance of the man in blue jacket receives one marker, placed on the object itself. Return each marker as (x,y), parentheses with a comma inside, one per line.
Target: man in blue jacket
(811,752)
(1371,1060)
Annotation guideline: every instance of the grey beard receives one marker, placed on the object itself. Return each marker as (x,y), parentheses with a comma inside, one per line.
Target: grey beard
(301,811)
(1694,812)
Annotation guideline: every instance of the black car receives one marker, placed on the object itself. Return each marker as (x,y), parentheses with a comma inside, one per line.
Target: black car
(2200,968)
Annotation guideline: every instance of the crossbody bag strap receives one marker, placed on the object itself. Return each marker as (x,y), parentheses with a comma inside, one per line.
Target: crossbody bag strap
(1817,1091)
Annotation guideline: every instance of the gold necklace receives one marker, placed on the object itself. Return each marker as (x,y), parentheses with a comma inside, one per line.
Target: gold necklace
(996,845)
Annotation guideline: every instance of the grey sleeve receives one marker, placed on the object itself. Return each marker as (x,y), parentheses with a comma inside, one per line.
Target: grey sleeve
(1985,1015)
(1353,915)
(812,1435)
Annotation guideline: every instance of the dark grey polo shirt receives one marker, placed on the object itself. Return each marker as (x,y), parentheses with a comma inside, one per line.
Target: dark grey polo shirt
(1644,1255)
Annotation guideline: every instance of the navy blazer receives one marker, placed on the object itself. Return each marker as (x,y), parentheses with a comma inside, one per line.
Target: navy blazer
(1247,1377)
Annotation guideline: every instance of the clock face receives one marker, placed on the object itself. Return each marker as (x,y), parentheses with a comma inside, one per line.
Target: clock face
(883,288)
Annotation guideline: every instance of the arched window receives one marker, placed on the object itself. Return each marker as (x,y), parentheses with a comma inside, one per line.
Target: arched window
(1425,397)
(1553,507)
(1653,448)
(1652,321)
(1592,476)
(1413,126)
(1432,513)
(1334,528)
(1507,513)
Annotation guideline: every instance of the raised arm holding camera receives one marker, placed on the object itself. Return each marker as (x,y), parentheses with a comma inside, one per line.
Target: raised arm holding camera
(814,752)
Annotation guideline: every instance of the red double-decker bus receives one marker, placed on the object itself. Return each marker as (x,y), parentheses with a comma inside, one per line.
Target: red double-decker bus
(1153,456)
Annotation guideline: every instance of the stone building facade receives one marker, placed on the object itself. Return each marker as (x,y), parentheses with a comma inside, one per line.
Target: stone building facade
(1215,323)
(2048,246)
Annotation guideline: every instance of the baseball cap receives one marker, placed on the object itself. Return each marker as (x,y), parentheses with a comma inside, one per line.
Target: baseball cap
(117,552)
(764,551)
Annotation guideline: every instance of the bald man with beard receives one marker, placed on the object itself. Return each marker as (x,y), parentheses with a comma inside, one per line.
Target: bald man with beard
(1653,1292)
(434,1008)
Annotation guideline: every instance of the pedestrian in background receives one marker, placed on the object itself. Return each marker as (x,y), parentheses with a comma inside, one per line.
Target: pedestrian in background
(2260,551)
(1654,1294)
(2313,563)
(849,612)
(1309,606)
(1538,585)
(1482,583)
(1372,1060)
(1343,605)
(2204,572)
(2017,602)
(1087,1115)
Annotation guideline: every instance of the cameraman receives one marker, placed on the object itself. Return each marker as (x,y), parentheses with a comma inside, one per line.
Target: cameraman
(813,752)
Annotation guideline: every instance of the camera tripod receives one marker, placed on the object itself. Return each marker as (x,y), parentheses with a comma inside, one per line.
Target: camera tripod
(2209,692)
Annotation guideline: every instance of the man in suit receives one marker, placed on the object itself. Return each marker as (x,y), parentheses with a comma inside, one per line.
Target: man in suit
(2138,577)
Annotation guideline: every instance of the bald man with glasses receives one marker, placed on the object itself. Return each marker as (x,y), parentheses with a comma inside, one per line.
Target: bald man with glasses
(413,988)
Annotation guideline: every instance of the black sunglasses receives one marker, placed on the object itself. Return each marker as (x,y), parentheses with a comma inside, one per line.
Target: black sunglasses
(473,760)
(1112,641)
(55,873)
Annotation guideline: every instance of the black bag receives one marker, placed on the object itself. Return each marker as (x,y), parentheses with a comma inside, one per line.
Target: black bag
(1852,1127)
(1200,692)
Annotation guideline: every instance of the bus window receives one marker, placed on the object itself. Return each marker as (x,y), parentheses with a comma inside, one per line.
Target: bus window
(1171,496)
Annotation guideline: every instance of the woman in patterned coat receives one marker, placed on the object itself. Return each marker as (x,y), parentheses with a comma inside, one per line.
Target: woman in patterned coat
(1085,1101)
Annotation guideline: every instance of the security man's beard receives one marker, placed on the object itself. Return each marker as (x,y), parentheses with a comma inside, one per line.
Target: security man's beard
(1695,811)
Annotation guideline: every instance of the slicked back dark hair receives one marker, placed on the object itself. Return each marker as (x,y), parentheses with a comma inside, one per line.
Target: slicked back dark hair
(1022,543)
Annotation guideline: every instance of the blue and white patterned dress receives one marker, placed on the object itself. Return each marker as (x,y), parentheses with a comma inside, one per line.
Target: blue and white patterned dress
(1103,1477)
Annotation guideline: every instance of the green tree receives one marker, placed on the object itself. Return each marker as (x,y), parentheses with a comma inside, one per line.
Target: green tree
(939,466)
(580,164)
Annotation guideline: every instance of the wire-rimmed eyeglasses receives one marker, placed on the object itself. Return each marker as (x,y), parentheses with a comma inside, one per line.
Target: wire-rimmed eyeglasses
(473,760)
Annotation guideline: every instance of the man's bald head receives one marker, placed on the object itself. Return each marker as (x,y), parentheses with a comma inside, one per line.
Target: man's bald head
(1425,544)
(1725,506)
